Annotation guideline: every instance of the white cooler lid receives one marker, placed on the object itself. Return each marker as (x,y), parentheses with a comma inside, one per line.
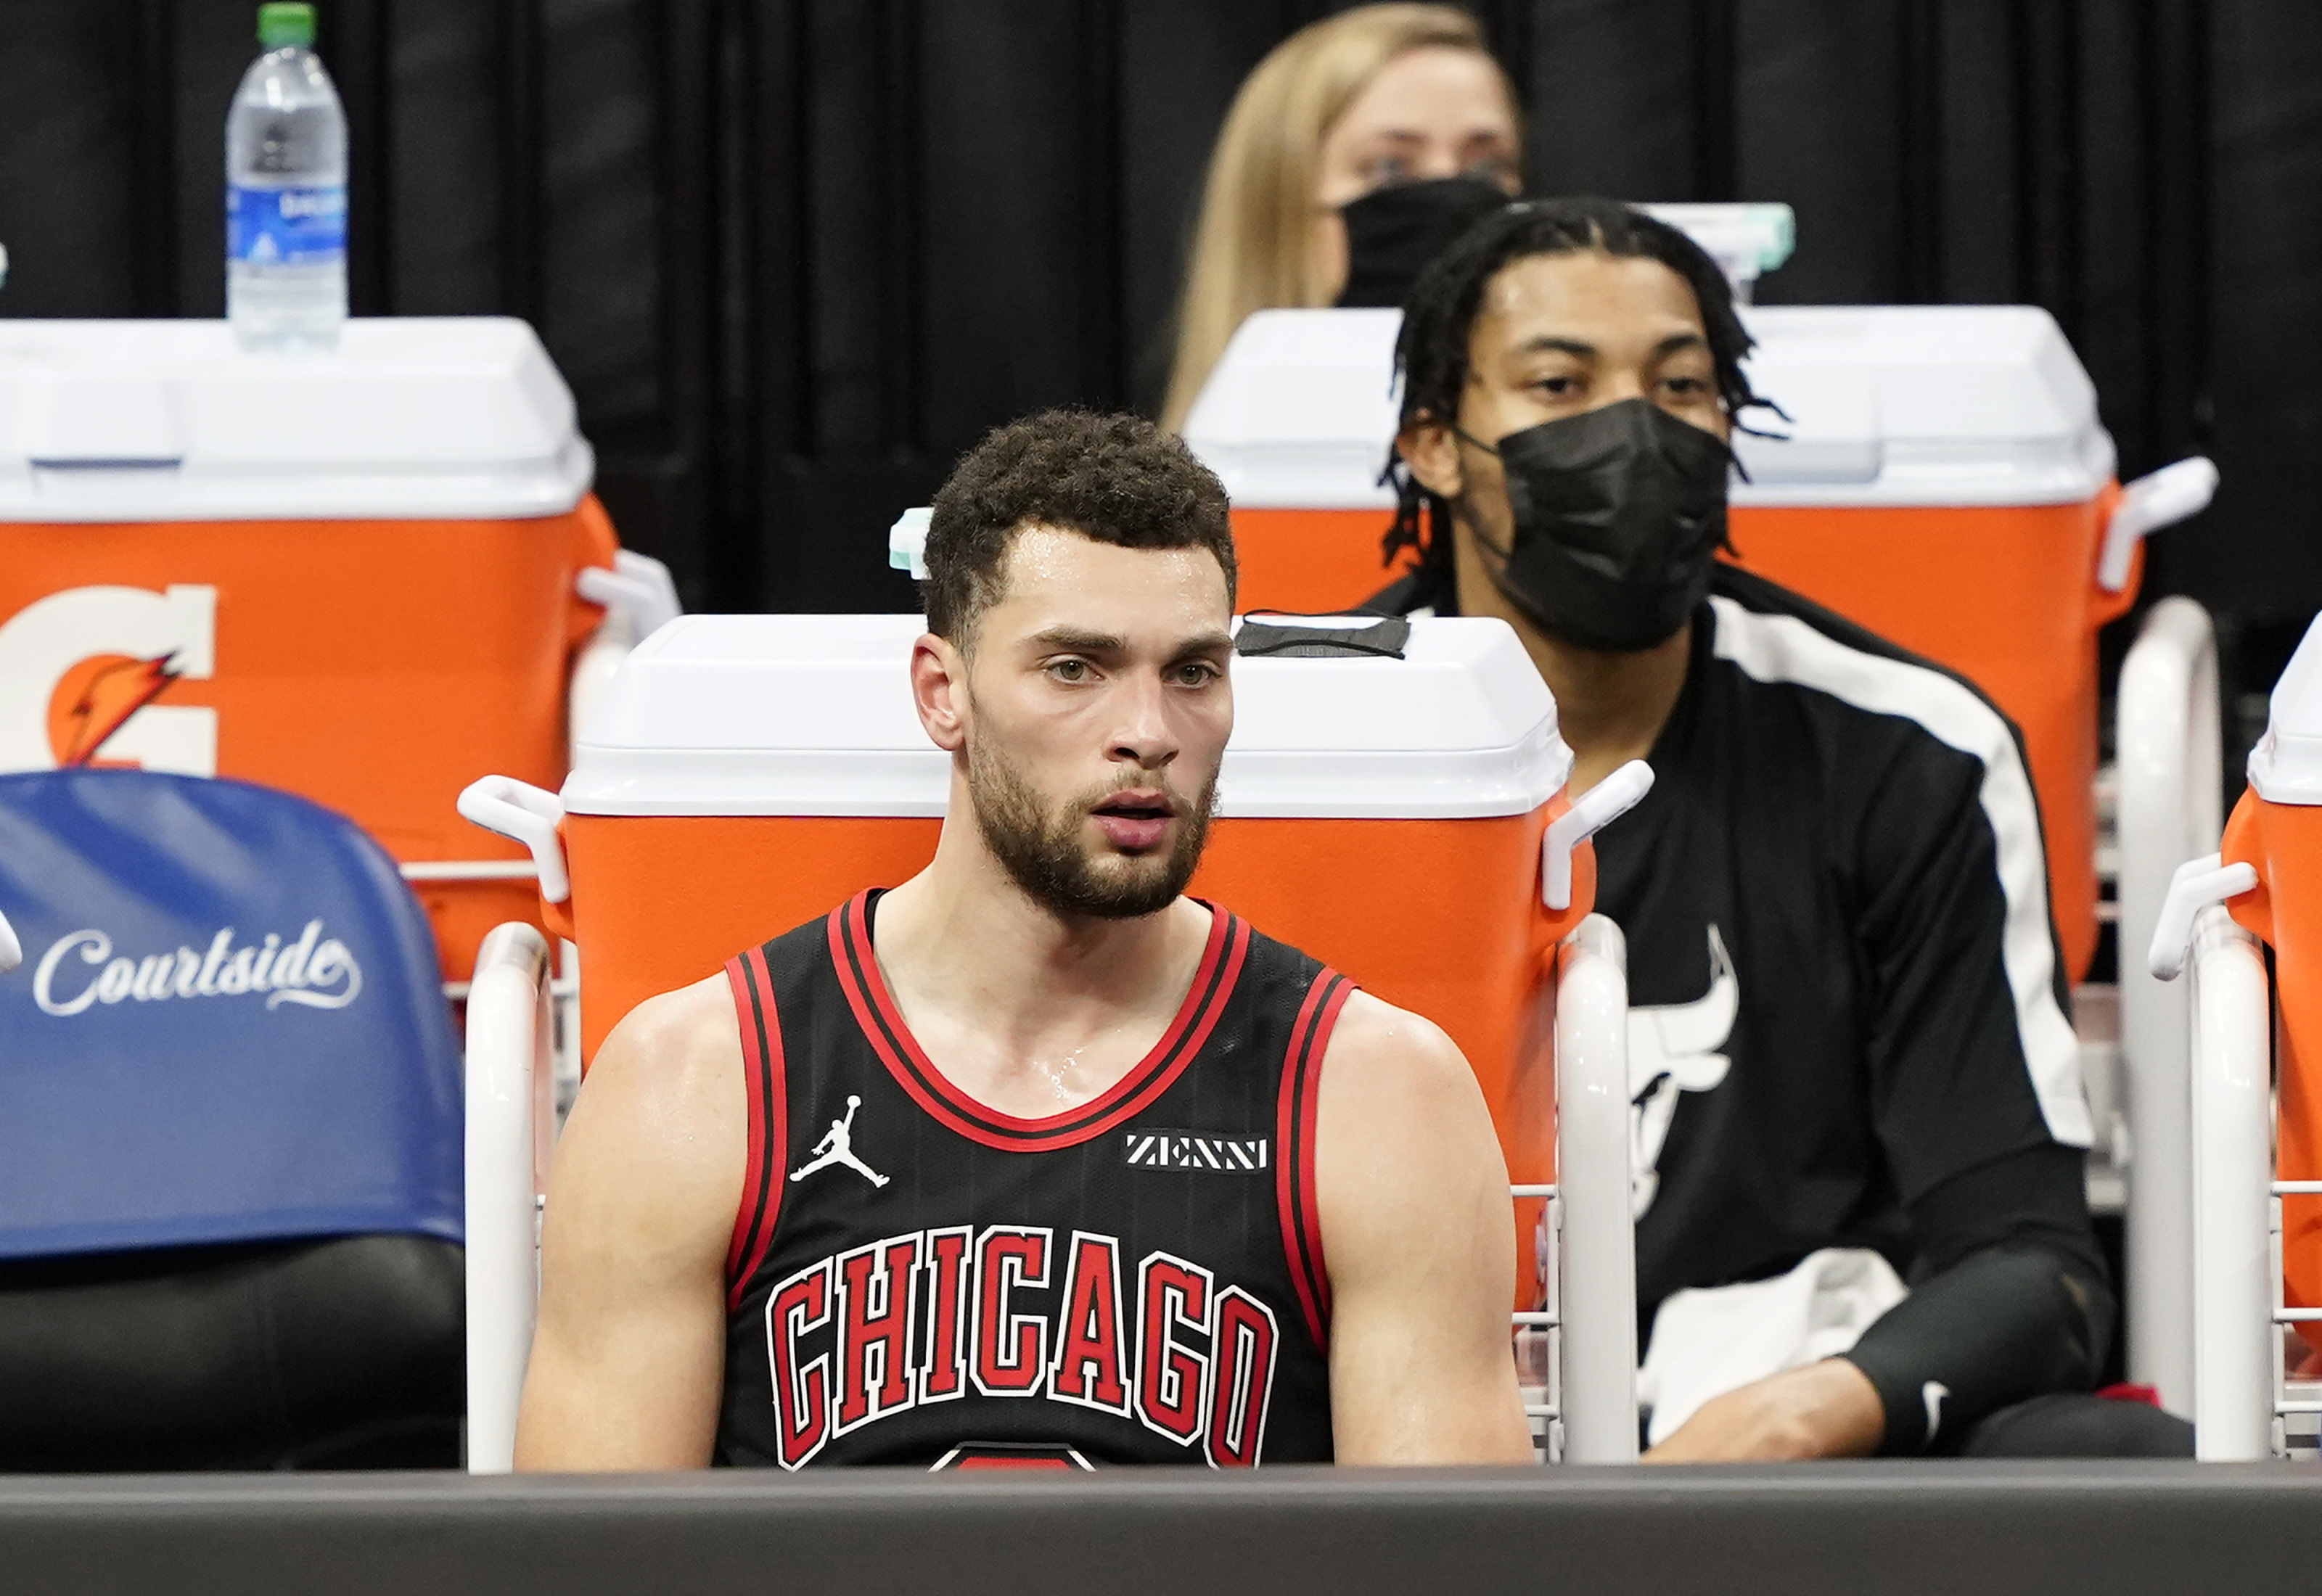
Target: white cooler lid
(409,418)
(1301,409)
(1920,404)
(811,715)
(1888,406)
(2286,765)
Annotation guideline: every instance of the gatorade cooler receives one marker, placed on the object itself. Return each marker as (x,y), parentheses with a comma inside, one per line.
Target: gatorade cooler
(2277,830)
(1942,478)
(350,576)
(1395,817)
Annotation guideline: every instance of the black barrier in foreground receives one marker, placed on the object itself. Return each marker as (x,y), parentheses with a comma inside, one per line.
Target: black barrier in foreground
(1994,1530)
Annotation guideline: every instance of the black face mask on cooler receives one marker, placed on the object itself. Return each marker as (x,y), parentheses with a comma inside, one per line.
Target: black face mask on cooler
(1393,232)
(1616,512)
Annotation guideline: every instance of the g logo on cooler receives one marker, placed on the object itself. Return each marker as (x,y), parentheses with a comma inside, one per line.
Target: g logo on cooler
(311,971)
(80,670)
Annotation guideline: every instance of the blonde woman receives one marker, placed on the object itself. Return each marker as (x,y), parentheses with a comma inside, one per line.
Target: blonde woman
(1397,102)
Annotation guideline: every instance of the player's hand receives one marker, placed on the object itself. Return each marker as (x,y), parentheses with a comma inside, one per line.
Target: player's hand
(1825,1409)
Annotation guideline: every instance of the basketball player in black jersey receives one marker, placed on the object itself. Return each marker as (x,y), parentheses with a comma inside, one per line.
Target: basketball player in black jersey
(1033,1160)
(1848,1041)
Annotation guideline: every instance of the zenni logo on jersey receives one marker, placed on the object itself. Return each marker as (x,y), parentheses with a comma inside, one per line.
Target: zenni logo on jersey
(1014,1313)
(1186,1150)
(309,970)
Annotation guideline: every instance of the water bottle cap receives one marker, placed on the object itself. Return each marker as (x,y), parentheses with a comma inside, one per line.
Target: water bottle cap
(282,26)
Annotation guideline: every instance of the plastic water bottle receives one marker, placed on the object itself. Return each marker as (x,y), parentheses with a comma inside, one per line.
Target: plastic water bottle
(286,197)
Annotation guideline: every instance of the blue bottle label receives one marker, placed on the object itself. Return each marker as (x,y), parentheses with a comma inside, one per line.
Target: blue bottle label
(287,226)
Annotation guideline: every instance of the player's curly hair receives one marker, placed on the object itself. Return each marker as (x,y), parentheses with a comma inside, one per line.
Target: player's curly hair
(1430,355)
(1114,478)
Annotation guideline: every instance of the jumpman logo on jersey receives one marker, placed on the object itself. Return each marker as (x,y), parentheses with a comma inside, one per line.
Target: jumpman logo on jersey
(837,1146)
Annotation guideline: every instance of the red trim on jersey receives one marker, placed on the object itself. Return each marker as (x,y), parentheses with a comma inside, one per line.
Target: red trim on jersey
(769,1110)
(1317,1047)
(891,1039)
(1293,1169)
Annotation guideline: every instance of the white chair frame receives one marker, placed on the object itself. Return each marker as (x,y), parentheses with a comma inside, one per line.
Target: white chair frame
(2237,1300)
(2170,796)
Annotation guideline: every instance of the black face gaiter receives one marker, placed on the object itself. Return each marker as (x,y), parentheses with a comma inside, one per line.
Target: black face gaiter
(1616,512)
(1393,232)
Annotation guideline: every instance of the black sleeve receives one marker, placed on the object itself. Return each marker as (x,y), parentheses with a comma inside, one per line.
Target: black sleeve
(2011,1300)
(1970,1044)
(1976,1092)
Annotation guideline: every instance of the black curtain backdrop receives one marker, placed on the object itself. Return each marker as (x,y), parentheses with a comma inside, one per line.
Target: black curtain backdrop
(795,255)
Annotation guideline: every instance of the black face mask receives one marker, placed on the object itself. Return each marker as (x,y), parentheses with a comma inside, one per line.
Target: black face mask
(1617,512)
(1393,232)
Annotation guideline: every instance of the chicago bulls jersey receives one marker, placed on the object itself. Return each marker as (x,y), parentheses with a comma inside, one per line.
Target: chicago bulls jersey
(916,1278)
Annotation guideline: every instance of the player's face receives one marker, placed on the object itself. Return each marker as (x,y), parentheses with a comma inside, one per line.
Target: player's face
(1099,707)
(1559,335)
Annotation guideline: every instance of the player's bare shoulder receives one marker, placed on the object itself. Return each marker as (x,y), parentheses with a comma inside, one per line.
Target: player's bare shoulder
(672,1049)
(1404,1142)
(662,1115)
(1391,1060)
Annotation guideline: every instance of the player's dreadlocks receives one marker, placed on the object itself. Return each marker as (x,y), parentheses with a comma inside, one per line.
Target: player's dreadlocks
(1431,355)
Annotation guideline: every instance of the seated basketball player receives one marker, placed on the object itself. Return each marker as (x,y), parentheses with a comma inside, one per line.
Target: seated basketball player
(1851,1062)
(1033,1158)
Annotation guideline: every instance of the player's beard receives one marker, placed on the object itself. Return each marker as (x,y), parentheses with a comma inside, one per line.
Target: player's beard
(1044,854)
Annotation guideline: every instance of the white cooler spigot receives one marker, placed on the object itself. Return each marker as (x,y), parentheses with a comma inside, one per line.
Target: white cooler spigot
(2157,499)
(2197,884)
(639,598)
(1590,813)
(638,589)
(12,952)
(523,813)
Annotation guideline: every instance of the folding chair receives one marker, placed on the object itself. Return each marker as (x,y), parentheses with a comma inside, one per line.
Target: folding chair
(2255,1103)
(229,1108)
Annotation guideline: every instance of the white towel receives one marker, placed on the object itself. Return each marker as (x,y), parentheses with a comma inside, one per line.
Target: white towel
(1710,1341)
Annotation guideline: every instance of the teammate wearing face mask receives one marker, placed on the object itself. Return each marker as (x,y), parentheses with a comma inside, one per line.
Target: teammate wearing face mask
(1850,1059)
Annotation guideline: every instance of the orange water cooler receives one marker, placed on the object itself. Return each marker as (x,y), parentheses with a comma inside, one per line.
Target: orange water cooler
(352,575)
(1397,818)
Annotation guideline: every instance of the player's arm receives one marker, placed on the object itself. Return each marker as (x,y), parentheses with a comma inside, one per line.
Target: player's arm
(627,1362)
(1975,1094)
(1419,1241)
